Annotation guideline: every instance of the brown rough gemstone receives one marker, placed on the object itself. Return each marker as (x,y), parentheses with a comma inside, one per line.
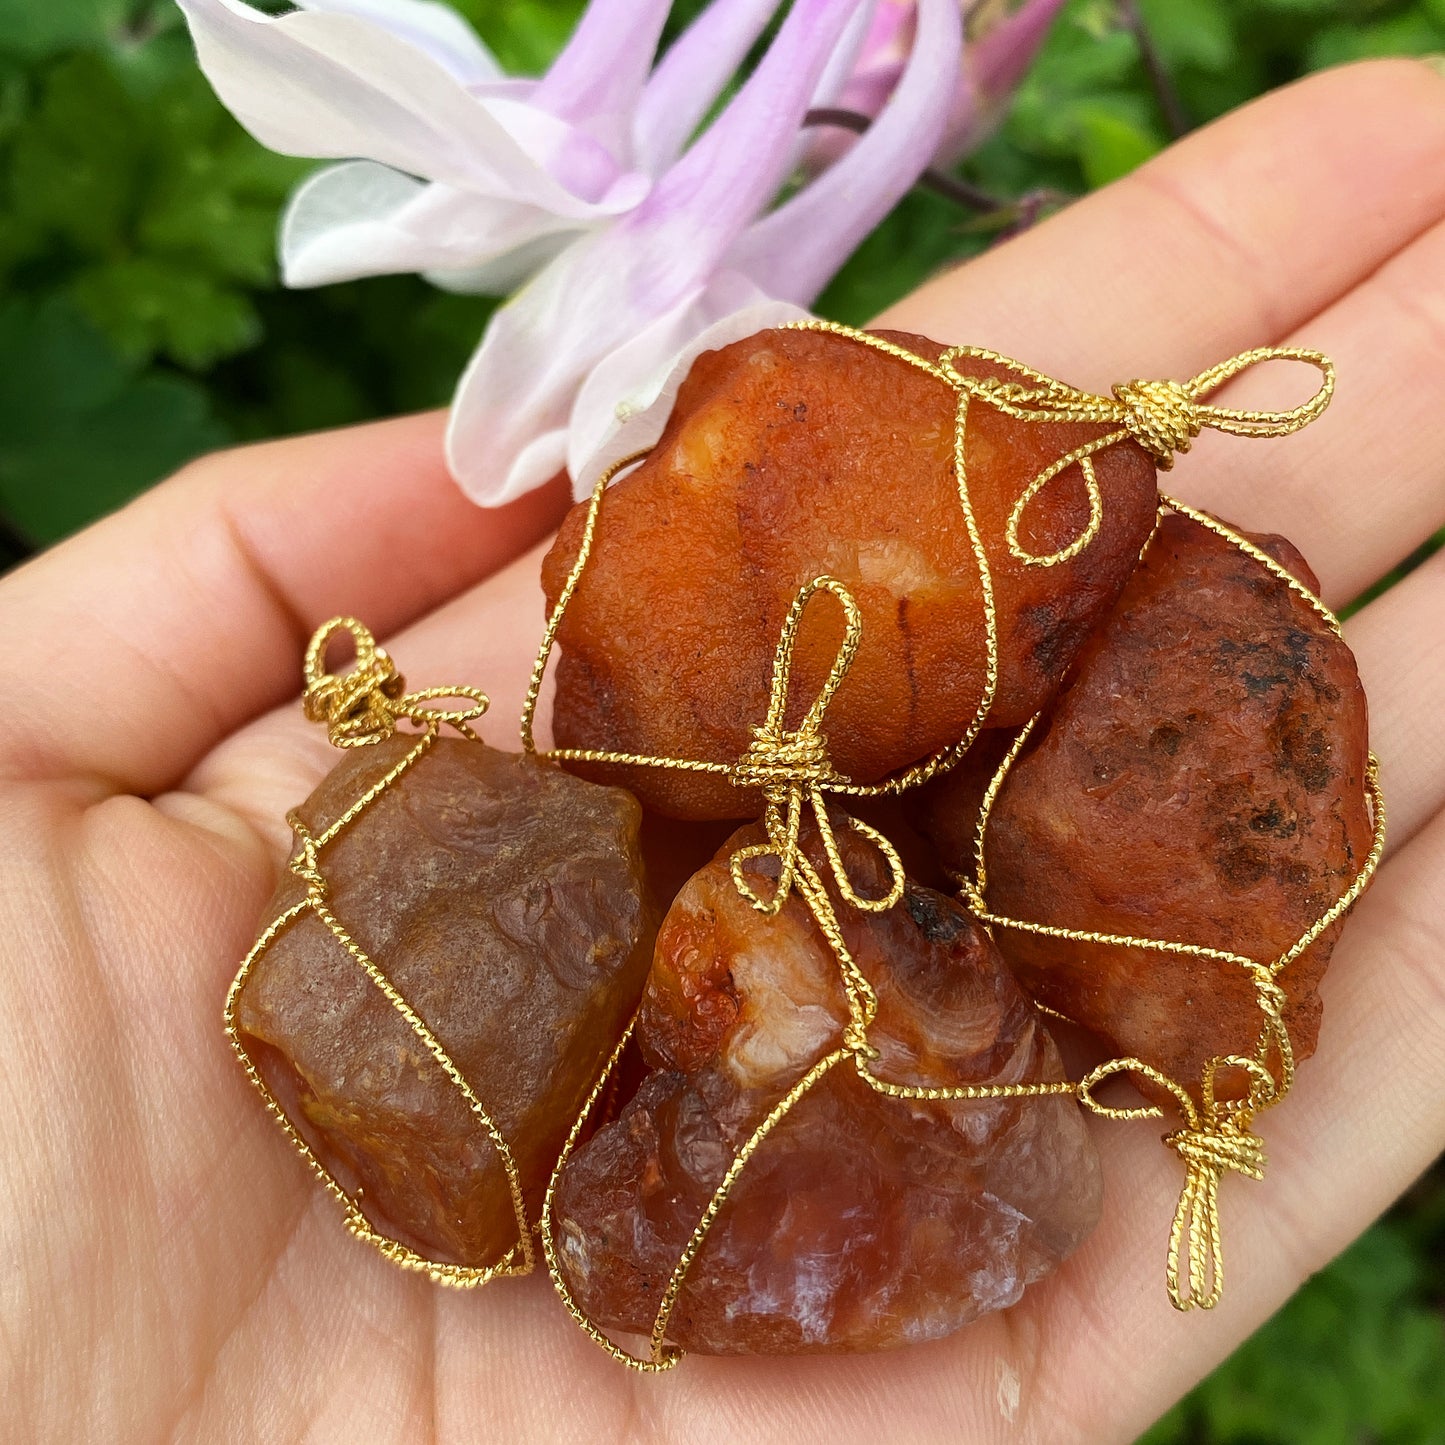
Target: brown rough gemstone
(862,1222)
(1200,779)
(793,454)
(506,900)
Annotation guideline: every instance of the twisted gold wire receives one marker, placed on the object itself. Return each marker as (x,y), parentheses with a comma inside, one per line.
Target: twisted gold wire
(792,769)
(360,708)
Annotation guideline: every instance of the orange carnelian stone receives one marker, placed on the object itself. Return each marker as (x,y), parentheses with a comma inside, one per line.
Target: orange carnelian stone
(862,1222)
(793,454)
(506,900)
(1200,779)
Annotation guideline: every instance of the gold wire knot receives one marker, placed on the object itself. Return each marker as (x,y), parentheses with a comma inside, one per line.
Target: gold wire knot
(1219,1142)
(363,706)
(1161,416)
(1213,1140)
(794,772)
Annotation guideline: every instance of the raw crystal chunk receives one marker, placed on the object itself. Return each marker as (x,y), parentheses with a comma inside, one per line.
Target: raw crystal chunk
(506,900)
(793,454)
(861,1222)
(1200,779)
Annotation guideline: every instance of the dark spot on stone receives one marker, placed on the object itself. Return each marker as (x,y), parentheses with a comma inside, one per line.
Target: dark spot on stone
(937,920)
(1305,752)
(1244,866)
(1274,820)
(1297,875)
(1166,739)
(1054,638)
(910,665)
(1256,684)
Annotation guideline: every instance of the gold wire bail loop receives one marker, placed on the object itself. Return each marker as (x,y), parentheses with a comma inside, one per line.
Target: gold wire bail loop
(363,705)
(1214,1140)
(1164,417)
(792,769)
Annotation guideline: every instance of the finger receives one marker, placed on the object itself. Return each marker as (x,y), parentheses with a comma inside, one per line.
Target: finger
(486,638)
(1228,240)
(1366,1117)
(1363,486)
(1302,219)
(139,644)
(1401,652)
(1062,297)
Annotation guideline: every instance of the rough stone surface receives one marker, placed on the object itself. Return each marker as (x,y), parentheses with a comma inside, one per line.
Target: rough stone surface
(792,454)
(862,1222)
(1201,778)
(506,900)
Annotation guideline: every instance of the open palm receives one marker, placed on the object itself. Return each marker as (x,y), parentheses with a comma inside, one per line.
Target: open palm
(167,1268)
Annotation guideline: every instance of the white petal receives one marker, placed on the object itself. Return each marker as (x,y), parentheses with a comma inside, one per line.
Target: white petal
(625,402)
(502,274)
(362,219)
(436,29)
(336,86)
(507,432)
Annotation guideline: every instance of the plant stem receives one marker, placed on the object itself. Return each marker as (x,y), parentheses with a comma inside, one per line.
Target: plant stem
(1176,118)
(960,191)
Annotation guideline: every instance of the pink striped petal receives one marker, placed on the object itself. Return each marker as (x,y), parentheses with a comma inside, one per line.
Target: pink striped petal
(596,81)
(794,251)
(995,62)
(691,76)
(698,209)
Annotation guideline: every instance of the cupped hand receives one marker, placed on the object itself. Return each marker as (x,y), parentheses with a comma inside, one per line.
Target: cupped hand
(169,1269)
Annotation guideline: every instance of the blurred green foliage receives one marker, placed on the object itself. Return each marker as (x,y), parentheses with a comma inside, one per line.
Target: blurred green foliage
(140,319)
(141,324)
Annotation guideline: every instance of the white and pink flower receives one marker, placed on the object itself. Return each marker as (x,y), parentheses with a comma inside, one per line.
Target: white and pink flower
(639,232)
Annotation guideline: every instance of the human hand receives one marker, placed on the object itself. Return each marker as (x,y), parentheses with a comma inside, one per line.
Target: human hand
(169,1267)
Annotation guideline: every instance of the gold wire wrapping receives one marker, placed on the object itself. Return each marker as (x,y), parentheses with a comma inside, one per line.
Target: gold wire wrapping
(361,707)
(794,774)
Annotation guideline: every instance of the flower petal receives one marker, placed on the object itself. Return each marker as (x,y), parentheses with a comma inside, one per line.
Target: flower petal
(845,56)
(580,162)
(331,85)
(699,208)
(436,29)
(793,252)
(623,405)
(691,76)
(361,219)
(996,61)
(596,80)
(509,421)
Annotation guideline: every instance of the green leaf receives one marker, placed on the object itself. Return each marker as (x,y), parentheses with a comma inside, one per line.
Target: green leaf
(524,35)
(1112,143)
(37,28)
(149,307)
(80,432)
(76,172)
(1357,1355)
(1191,32)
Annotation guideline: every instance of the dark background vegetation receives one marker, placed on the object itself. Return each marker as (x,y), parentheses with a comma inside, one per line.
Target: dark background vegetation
(141,324)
